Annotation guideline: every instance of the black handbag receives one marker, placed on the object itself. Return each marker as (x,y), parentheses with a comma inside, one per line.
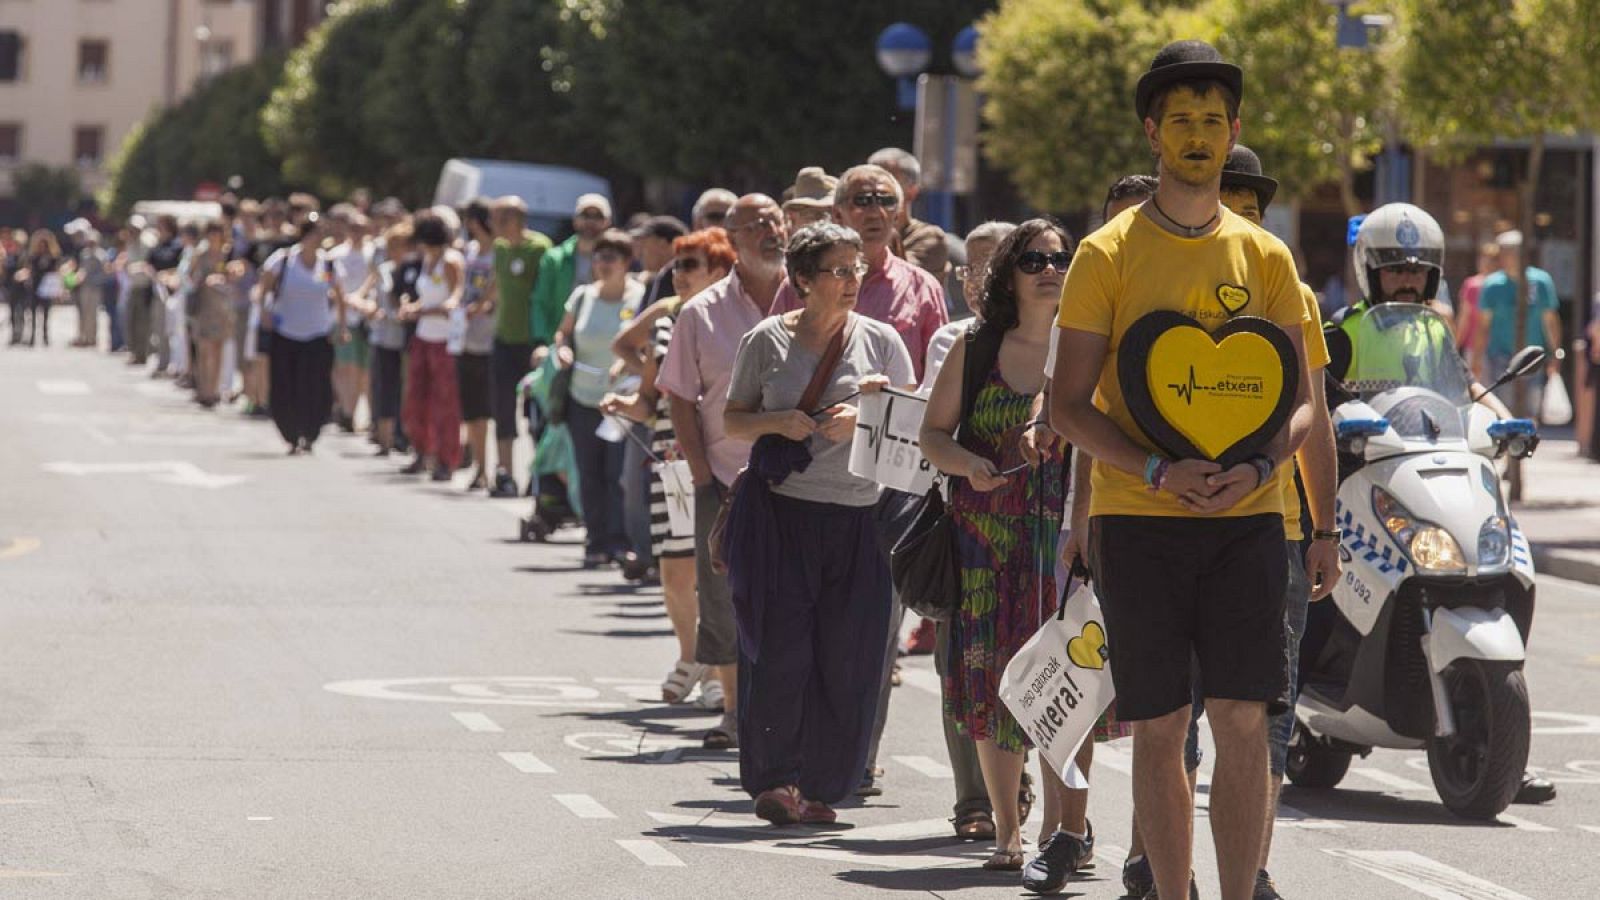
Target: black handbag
(923,564)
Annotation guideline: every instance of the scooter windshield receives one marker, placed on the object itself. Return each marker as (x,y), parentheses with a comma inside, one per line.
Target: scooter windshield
(1406,345)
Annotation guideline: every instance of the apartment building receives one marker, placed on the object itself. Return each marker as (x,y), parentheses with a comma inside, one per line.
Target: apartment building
(77,75)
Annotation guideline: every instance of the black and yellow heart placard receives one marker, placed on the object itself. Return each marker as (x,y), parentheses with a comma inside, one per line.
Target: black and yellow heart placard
(1197,395)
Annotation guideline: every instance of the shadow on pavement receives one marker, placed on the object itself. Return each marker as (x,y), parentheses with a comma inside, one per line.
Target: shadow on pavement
(1375,806)
(942,880)
(621,632)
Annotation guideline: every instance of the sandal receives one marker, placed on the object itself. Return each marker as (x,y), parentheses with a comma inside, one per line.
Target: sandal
(722,736)
(974,825)
(711,696)
(1004,861)
(681,680)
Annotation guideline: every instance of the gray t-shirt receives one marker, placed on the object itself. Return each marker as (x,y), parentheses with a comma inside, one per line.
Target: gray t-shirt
(772,370)
(479,338)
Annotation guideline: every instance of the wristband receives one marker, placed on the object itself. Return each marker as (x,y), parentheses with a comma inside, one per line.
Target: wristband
(1150,464)
(1327,534)
(1264,467)
(1160,476)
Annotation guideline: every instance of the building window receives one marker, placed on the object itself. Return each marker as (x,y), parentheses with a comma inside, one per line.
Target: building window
(10,56)
(88,144)
(216,57)
(93,61)
(10,142)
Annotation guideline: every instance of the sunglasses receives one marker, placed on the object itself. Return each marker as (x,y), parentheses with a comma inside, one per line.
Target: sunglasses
(867,199)
(686,264)
(1033,262)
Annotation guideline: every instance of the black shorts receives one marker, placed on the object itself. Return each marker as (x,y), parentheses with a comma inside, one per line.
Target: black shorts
(1175,588)
(510,363)
(472,383)
(263,342)
(387,379)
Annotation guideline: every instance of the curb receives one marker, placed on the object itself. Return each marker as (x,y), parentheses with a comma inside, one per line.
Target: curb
(1569,564)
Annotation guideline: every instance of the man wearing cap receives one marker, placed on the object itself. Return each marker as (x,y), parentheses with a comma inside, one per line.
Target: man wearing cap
(566,266)
(921,243)
(1188,557)
(1314,571)
(810,199)
(518,250)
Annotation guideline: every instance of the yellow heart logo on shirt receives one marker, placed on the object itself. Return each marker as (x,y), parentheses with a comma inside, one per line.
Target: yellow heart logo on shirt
(1232,297)
(1088,650)
(1198,395)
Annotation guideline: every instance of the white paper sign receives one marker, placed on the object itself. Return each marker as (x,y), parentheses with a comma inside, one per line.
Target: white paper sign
(679,487)
(885,448)
(1059,683)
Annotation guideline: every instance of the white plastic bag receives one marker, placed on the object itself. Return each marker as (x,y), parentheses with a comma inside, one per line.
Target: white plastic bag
(1556,407)
(1059,683)
(679,487)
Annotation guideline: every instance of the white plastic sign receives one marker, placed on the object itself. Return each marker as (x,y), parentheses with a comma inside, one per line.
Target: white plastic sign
(885,447)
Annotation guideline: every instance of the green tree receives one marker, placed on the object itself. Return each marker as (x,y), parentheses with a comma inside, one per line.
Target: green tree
(42,191)
(746,94)
(1477,70)
(1313,111)
(210,136)
(1059,78)
(316,118)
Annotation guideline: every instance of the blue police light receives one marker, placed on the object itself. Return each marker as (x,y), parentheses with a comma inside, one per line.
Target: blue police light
(964,53)
(904,50)
(1353,428)
(1354,229)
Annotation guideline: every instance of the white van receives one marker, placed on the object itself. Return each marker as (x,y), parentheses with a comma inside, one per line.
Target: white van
(551,192)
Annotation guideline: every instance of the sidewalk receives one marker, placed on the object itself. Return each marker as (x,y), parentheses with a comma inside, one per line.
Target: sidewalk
(1560,511)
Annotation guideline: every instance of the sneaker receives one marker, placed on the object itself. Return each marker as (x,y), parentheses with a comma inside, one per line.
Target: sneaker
(1137,879)
(1059,857)
(1265,889)
(504,486)
(813,812)
(922,639)
(780,806)
(634,566)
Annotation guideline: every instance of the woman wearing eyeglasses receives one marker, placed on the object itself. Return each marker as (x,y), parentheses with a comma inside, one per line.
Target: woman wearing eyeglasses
(595,313)
(1007,516)
(811,587)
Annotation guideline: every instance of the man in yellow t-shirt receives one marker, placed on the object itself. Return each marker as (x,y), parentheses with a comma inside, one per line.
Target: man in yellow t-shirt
(1188,556)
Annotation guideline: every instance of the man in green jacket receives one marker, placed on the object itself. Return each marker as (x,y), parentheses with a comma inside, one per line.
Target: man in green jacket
(566,266)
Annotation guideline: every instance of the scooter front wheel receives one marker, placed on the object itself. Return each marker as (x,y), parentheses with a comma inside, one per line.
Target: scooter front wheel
(1313,762)
(1478,769)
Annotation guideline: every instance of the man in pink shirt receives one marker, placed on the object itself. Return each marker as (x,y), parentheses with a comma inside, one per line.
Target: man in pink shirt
(894,291)
(695,375)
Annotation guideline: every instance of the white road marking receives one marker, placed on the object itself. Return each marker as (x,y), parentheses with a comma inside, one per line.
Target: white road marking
(27,873)
(1522,824)
(176,471)
(650,853)
(1289,817)
(1393,782)
(527,763)
(62,387)
(1578,723)
(584,806)
(21,546)
(1425,876)
(509,690)
(478,722)
(1592,829)
(926,766)
(258,818)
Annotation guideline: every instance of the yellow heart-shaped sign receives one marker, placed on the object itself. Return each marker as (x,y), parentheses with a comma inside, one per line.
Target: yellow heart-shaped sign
(1088,650)
(1212,393)
(1219,395)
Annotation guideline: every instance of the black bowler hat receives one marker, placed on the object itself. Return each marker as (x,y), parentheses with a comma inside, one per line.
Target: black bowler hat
(1185,61)
(1243,170)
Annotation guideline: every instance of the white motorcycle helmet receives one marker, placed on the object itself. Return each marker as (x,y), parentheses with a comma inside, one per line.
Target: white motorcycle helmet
(1398,234)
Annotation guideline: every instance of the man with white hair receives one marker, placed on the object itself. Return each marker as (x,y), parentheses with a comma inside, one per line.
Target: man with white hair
(921,243)
(712,208)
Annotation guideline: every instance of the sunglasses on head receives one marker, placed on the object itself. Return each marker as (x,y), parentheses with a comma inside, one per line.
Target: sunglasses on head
(1034,261)
(685,264)
(868,198)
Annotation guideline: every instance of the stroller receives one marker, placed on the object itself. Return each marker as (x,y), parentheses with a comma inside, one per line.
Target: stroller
(553,479)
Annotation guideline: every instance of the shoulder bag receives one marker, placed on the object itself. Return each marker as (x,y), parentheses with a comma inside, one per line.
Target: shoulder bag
(924,564)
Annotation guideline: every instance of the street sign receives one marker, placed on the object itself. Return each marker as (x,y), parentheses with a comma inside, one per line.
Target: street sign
(946,140)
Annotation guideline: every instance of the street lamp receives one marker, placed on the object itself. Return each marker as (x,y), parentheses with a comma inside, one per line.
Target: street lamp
(946,110)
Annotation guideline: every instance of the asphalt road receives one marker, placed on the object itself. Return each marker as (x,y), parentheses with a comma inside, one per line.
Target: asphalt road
(228,673)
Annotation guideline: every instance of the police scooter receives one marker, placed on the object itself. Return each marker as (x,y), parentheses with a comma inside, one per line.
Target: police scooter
(1426,644)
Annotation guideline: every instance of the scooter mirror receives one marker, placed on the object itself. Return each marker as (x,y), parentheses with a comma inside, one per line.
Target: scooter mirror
(1527,360)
